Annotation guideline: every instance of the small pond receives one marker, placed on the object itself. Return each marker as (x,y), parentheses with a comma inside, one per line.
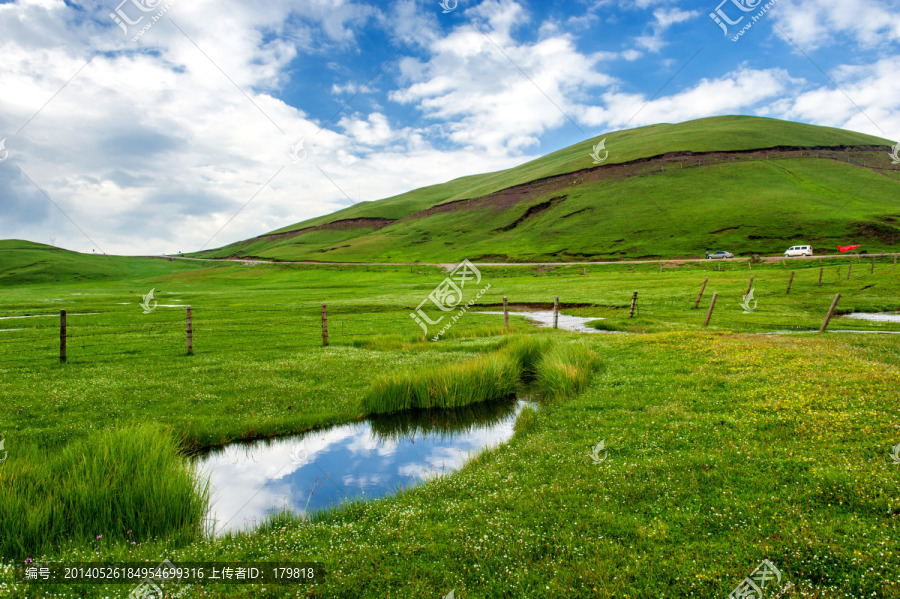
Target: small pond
(360,460)
(544,318)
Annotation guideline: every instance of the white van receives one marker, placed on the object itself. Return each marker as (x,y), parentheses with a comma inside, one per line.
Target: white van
(798,250)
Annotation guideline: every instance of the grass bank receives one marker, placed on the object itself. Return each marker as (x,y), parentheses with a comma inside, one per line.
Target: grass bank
(557,368)
(125,485)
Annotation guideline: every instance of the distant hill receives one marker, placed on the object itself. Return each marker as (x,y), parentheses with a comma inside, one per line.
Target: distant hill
(745,184)
(25,262)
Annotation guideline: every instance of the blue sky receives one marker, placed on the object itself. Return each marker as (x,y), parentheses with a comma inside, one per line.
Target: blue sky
(175,132)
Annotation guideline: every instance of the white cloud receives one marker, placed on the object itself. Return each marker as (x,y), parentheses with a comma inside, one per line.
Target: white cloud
(664,18)
(734,93)
(350,88)
(816,23)
(493,93)
(868,100)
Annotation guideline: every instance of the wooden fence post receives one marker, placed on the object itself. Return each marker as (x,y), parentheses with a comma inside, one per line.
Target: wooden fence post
(324,325)
(702,289)
(505,312)
(711,306)
(556,312)
(62,335)
(749,286)
(895,261)
(830,313)
(633,304)
(821,270)
(189,325)
(849,269)
(791,282)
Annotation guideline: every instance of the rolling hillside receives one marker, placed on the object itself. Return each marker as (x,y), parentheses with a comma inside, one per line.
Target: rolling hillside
(745,184)
(26,262)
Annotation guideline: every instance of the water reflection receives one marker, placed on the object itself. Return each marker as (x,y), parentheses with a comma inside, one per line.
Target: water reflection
(875,316)
(544,319)
(369,459)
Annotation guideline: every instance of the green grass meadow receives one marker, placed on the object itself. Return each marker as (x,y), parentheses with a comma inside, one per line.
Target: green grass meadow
(724,445)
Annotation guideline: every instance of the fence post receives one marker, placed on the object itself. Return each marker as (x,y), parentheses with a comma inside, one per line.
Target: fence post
(62,335)
(556,312)
(895,261)
(749,287)
(791,282)
(830,313)
(849,269)
(505,312)
(702,289)
(821,269)
(711,306)
(633,304)
(189,325)
(324,325)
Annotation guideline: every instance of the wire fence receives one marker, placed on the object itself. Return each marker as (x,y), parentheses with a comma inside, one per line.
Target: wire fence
(97,335)
(32,336)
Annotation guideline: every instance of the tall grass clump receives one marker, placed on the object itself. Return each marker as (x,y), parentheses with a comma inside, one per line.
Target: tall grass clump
(527,352)
(128,484)
(565,369)
(487,377)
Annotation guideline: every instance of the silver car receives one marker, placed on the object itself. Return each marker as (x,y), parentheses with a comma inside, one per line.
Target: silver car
(720,255)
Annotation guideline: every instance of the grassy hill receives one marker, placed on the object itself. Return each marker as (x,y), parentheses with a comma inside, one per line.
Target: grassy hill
(665,191)
(24,262)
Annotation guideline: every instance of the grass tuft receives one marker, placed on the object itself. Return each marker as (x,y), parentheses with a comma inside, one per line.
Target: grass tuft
(487,377)
(565,370)
(559,370)
(129,484)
